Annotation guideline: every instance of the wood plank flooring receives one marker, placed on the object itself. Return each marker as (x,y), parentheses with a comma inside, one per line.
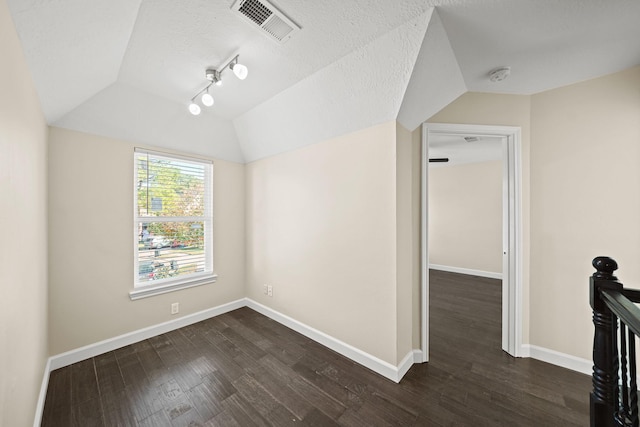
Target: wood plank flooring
(243,369)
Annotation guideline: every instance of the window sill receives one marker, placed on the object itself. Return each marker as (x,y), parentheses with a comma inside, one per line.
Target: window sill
(145,291)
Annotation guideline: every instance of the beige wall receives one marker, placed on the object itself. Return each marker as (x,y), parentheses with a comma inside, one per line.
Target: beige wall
(23,254)
(406,235)
(502,110)
(465,216)
(321,229)
(91,249)
(416,210)
(581,147)
(585,201)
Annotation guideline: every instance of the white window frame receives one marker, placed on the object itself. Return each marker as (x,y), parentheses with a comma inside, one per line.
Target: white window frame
(162,286)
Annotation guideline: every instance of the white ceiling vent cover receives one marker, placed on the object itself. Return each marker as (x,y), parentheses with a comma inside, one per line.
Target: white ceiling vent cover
(270,20)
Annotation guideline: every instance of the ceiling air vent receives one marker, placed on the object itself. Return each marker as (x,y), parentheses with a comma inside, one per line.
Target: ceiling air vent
(270,20)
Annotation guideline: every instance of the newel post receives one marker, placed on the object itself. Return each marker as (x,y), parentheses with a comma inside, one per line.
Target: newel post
(605,359)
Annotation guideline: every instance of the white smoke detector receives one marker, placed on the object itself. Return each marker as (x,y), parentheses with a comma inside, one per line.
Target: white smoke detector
(499,74)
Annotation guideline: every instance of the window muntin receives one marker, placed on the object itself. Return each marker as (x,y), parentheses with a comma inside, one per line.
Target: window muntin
(173,221)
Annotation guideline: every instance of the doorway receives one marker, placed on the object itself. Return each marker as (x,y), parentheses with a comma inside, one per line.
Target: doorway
(511,228)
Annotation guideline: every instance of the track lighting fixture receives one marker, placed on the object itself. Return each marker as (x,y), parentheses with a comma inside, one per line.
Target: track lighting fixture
(215,78)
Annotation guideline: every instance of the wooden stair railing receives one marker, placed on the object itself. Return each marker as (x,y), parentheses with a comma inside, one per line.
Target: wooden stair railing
(614,399)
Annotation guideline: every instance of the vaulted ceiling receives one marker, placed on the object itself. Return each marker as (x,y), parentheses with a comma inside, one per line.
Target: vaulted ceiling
(128,68)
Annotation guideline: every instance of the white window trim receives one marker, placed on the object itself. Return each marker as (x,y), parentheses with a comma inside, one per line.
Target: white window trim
(145,291)
(170,285)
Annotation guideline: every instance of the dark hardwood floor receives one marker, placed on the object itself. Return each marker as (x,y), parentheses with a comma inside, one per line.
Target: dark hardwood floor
(243,369)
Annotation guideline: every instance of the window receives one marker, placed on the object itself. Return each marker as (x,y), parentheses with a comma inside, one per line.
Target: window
(173,223)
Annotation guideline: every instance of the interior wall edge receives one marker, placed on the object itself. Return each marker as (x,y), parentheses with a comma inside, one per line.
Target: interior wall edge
(42,395)
(386,369)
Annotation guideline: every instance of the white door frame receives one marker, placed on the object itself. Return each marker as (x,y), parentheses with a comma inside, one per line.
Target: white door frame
(511,230)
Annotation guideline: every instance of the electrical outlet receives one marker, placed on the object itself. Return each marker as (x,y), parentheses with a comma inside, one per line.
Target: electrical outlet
(270,290)
(175,308)
(265,289)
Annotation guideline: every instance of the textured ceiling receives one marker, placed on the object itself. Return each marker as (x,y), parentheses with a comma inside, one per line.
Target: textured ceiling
(547,43)
(128,68)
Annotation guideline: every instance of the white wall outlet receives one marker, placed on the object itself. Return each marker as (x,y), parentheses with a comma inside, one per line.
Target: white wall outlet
(270,290)
(175,308)
(265,289)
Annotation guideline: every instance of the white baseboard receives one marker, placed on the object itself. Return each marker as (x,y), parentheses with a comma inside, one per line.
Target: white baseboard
(386,369)
(37,422)
(472,272)
(414,356)
(394,373)
(82,353)
(564,360)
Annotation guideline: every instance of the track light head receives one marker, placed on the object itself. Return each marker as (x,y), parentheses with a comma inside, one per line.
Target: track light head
(207,99)
(194,108)
(241,71)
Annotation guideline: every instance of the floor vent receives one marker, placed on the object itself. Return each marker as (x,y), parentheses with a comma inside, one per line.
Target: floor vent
(269,20)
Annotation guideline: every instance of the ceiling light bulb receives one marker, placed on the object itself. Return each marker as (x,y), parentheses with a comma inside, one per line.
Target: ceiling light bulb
(207,99)
(241,71)
(218,82)
(194,109)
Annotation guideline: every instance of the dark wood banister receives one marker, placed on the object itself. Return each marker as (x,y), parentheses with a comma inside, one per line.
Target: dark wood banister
(622,306)
(614,399)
